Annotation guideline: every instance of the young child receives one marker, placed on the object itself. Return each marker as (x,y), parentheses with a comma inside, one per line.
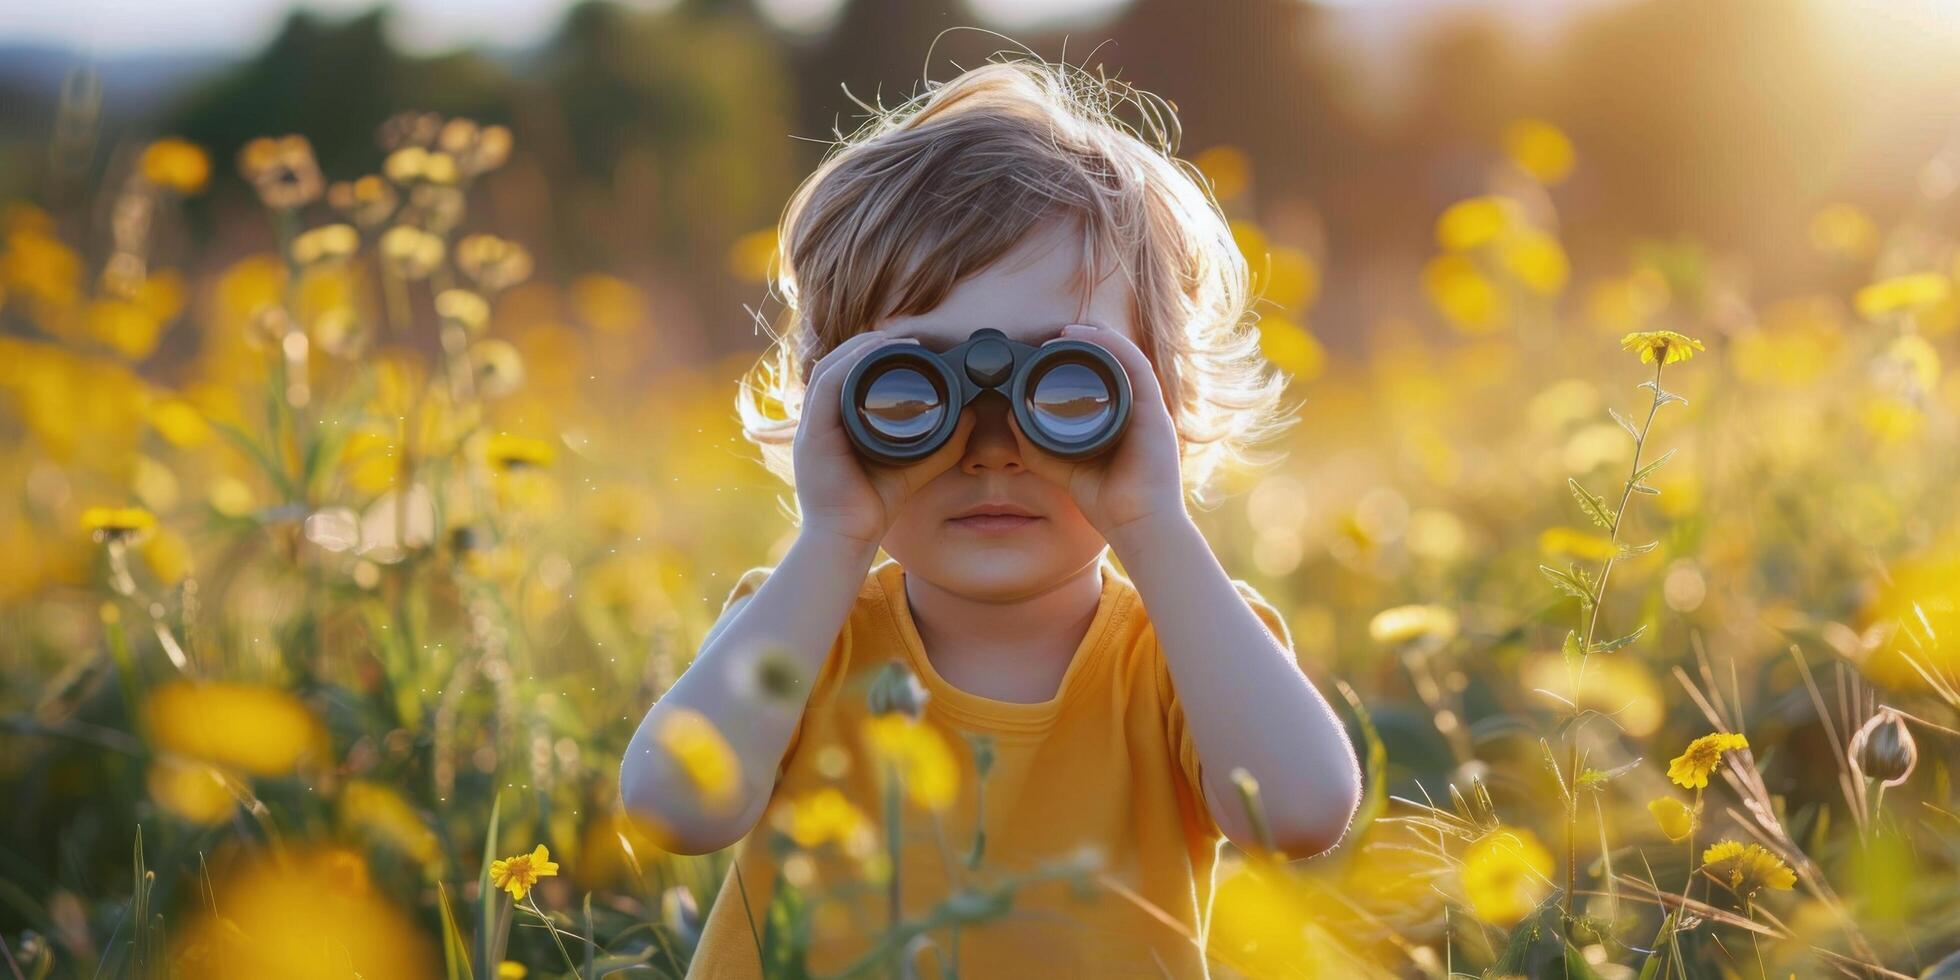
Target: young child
(1109,710)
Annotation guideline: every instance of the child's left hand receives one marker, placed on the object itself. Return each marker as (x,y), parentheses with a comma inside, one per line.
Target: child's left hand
(1139,480)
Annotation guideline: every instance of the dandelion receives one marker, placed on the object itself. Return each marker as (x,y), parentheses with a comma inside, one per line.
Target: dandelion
(463,308)
(1691,769)
(1404,624)
(125,524)
(1664,345)
(1505,874)
(498,369)
(176,164)
(1677,820)
(518,875)
(1746,868)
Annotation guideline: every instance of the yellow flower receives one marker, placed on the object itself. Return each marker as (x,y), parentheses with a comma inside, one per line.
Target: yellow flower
(1505,874)
(1475,221)
(1843,230)
(508,452)
(826,817)
(257,728)
(118,523)
(1463,294)
(177,164)
(1402,624)
(1677,819)
(1910,292)
(924,763)
(1535,259)
(512,970)
(1560,542)
(410,252)
(1667,345)
(517,875)
(1746,868)
(1703,756)
(704,755)
(327,243)
(1539,149)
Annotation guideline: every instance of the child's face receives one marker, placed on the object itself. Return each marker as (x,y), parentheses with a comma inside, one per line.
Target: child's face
(1027,295)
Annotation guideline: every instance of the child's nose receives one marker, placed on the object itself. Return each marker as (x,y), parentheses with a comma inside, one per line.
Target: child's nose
(991,445)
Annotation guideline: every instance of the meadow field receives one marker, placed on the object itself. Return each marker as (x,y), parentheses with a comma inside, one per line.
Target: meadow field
(324,629)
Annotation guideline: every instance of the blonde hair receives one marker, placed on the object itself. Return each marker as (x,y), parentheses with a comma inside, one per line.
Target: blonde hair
(936,189)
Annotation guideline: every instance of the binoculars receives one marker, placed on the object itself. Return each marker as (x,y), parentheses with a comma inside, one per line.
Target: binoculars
(902,402)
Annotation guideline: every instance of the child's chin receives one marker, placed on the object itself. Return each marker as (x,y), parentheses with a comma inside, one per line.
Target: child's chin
(995,571)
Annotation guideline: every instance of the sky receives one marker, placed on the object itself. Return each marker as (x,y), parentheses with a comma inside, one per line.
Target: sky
(109,28)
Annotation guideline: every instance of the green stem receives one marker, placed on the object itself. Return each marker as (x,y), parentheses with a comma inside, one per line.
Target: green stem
(1619,518)
(552,927)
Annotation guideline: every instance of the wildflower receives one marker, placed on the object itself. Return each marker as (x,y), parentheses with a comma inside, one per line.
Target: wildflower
(919,755)
(1677,819)
(1403,624)
(434,208)
(1746,868)
(327,243)
(497,368)
(517,875)
(1539,149)
(410,252)
(493,263)
(1909,292)
(118,523)
(367,201)
(1462,293)
(1666,345)
(1691,769)
(282,170)
(826,817)
(1505,873)
(177,164)
(255,728)
(1883,748)
(508,452)
(475,149)
(463,308)
(1475,221)
(703,754)
(512,970)
(1843,230)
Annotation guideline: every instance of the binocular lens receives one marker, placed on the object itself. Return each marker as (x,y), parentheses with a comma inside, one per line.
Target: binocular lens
(1071,401)
(903,405)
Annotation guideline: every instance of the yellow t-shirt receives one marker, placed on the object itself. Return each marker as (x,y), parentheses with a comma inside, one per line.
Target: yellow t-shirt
(1106,764)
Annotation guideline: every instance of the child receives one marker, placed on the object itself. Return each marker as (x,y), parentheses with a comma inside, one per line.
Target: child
(1070,715)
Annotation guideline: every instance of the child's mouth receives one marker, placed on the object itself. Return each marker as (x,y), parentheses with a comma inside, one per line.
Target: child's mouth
(992,523)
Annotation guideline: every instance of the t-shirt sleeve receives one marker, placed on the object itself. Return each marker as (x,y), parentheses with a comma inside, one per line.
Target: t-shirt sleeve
(1179,730)
(820,686)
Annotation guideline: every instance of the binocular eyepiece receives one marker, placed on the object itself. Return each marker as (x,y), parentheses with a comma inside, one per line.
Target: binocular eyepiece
(902,402)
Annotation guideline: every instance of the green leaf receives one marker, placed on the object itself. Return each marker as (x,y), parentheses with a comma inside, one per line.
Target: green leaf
(1641,473)
(1643,488)
(1573,650)
(1593,504)
(494,907)
(1597,777)
(1630,550)
(1568,583)
(1611,645)
(1625,423)
(455,952)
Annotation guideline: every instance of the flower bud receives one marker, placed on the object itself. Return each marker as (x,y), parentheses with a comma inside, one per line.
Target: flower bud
(896,689)
(1883,749)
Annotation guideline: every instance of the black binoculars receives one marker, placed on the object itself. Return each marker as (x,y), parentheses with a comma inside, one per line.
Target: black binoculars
(902,402)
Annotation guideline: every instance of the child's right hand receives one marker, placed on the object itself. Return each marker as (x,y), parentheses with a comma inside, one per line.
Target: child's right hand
(838,491)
